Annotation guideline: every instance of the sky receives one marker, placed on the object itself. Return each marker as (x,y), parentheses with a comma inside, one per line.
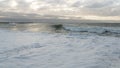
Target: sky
(60,9)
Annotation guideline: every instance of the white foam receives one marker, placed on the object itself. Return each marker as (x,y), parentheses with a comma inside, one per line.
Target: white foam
(57,50)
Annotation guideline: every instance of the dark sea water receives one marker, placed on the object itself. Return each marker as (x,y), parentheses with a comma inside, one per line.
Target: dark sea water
(97,28)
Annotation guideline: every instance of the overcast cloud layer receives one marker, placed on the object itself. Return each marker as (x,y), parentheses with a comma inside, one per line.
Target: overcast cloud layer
(61,9)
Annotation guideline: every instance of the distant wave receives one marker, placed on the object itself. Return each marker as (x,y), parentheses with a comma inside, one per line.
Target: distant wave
(98,28)
(93,29)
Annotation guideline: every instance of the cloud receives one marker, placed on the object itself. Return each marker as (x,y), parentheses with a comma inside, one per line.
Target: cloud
(58,8)
(98,7)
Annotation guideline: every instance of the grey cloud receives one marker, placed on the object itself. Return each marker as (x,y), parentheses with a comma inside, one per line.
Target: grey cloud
(4,3)
(14,15)
(55,1)
(17,15)
(76,4)
(100,5)
(94,4)
(100,8)
(59,7)
(22,4)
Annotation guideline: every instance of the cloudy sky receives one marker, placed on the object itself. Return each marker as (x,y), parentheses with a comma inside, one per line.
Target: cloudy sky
(60,9)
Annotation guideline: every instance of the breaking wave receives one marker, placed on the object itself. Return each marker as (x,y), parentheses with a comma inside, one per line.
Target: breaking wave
(94,29)
(101,28)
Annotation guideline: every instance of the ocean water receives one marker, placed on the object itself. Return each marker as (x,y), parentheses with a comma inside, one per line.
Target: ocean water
(44,45)
(102,29)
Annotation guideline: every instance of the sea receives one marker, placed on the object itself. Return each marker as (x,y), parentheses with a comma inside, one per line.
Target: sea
(59,45)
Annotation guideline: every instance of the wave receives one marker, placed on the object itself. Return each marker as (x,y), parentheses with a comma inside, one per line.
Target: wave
(93,29)
(99,28)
